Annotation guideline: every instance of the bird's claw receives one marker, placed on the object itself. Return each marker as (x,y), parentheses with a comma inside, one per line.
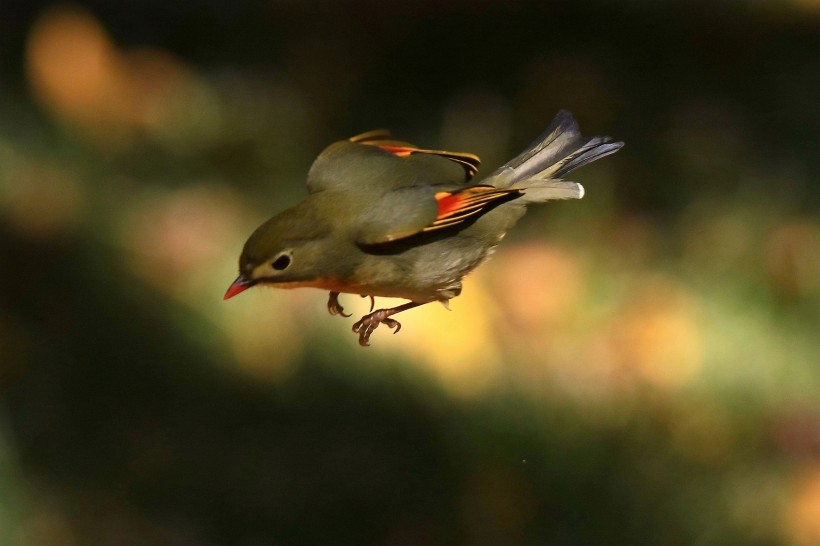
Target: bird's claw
(370,322)
(334,307)
(372,301)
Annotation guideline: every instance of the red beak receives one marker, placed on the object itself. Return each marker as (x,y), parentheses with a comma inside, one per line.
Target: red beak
(241,284)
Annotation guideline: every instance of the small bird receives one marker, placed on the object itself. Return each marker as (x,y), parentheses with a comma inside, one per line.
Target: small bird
(386,218)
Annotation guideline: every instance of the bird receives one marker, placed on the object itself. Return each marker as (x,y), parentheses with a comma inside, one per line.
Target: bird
(386,218)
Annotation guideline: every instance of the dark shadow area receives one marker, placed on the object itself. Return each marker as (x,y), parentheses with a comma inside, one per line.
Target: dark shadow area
(116,406)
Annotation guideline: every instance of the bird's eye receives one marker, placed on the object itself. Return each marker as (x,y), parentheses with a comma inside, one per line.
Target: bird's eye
(281,263)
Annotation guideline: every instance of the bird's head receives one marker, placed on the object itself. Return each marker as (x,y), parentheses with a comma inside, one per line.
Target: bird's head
(289,250)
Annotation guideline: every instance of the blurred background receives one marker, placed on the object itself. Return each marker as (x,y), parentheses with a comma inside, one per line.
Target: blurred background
(640,367)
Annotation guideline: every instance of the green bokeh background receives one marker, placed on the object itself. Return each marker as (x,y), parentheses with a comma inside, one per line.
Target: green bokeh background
(138,408)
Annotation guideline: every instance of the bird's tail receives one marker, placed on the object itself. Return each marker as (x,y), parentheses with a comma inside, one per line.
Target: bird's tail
(560,149)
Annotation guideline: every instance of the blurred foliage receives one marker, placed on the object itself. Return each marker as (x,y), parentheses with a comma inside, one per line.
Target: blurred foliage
(640,367)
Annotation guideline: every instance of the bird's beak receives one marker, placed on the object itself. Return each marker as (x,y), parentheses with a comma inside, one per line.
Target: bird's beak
(241,284)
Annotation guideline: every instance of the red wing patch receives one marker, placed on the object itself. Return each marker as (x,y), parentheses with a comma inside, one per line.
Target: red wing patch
(381,139)
(455,207)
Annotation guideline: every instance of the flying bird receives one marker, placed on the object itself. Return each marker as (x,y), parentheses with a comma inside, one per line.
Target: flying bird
(387,218)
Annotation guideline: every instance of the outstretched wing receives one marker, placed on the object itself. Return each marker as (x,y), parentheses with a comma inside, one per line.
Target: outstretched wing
(373,161)
(409,211)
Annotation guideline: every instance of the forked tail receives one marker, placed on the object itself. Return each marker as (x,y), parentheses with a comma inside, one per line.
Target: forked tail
(560,149)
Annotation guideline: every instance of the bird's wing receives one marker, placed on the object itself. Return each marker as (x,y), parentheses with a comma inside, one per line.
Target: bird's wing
(373,162)
(380,138)
(406,212)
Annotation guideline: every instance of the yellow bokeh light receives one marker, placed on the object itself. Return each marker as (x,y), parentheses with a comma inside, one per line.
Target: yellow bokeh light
(655,337)
(75,71)
(803,510)
(458,345)
(78,74)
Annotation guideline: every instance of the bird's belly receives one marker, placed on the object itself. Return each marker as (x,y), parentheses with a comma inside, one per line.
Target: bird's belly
(376,288)
(422,274)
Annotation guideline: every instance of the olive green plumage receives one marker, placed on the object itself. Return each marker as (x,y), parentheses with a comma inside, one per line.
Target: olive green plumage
(385,218)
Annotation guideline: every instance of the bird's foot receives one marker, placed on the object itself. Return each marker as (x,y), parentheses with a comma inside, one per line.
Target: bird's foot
(370,322)
(334,307)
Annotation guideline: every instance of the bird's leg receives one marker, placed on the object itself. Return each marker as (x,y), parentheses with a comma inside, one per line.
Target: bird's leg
(334,307)
(371,321)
